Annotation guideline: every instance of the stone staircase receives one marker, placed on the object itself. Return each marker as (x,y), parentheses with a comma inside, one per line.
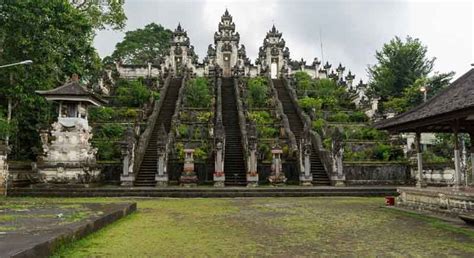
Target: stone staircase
(234,163)
(320,176)
(148,168)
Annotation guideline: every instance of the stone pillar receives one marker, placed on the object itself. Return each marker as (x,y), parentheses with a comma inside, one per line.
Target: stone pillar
(337,178)
(161,176)
(306,178)
(277,177)
(252,173)
(457,161)
(128,156)
(420,181)
(219,176)
(188,177)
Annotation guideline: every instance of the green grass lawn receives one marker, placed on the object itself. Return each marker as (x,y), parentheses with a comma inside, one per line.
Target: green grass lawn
(270,227)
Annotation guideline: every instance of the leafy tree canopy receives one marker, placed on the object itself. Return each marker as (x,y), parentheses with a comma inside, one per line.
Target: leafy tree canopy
(197,93)
(58,39)
(399,64)
(102,13)
(141,46)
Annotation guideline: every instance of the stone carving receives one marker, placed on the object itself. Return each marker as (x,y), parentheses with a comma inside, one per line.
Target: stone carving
(188,176)
(305,158)
(128,157)
(277,176)
(219,144)
(252,174)
(337,154)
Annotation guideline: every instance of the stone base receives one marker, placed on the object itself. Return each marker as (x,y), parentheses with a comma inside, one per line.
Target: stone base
(188,180)
(161,181)
(252,184)
(277,180)
(219,183)
(306,180)
(68,174)
(338,183)
(127,180)
(445,200)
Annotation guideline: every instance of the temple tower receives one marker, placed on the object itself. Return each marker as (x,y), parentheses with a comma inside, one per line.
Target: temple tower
(181,53)
(273,55)
(226,51)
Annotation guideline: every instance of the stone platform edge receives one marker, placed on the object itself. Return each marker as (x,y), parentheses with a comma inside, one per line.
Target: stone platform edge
(77,231)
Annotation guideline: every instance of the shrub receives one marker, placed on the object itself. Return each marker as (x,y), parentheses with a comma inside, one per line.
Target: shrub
(358,117)
(107,150)
(318,125)
(197,93)
(339,117)
(308,103)
(267,132)
(110,131)
(257,93)
(204,117)
(260,117)
(132,93)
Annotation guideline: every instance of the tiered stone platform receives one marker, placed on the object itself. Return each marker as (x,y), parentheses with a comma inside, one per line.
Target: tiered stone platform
(180,192)
(443,200)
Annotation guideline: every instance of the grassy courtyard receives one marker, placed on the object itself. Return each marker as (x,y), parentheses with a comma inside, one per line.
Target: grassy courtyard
(269,227)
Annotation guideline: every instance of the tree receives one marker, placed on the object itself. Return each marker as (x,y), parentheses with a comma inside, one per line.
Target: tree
(102,13)
(197,93)
(400,64)
(58,38)
(143,45)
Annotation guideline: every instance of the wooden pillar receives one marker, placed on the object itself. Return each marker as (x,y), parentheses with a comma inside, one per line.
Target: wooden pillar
(457,157)
(419,158)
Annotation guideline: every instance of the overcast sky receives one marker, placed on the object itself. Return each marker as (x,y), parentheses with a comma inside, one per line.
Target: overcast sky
(350,31)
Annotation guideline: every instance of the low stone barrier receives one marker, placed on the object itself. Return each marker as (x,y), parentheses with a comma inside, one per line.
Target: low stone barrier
(445,200)
(377,173)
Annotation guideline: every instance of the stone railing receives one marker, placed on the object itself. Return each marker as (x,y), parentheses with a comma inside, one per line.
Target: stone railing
(219,138)
(280,113)
(145,136)
(242,123)
(324,155)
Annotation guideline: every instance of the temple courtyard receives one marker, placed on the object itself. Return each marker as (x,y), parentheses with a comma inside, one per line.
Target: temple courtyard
(282,227)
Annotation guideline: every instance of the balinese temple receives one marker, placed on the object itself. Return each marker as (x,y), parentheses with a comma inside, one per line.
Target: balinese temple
(181,53)
(227,57)
(68,153)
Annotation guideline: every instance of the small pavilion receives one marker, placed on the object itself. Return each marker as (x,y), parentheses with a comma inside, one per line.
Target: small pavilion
(450,111)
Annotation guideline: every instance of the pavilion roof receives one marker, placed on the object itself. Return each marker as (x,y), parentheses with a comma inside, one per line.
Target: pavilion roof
(453,105)
(72,91)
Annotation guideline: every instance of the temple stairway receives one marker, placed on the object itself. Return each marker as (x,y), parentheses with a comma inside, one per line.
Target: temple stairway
(234,163)
(148,168)
(320,176)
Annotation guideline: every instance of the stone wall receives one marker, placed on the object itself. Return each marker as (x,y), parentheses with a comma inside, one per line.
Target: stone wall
(377,173)
(437,174)
(437,199)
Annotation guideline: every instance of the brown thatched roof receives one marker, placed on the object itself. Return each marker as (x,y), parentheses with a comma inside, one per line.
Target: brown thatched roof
(456,102)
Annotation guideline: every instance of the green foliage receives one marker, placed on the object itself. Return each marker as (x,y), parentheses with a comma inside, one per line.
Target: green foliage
(106,138)
(380,152)
(308,103)
(358,117)
(303,81)
(341,117)
(110,131)
(58,39)
(197,93)
(204,117)
(267,132)
(183,131)
(318,125)
(102,14)
(200,154)
(364,133)
(257,92)
(431,157)
(399,65)
(110,114)
(5,128)
(260,117)
(141,46)
(132,93)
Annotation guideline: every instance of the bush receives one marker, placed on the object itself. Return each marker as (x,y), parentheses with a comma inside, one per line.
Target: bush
(197,93)
(132,93)
(308,103)
(358,117)
(339,117)
(365,133)
(260,117)
(267,132)
(107,150)
(318,125)
(110,131)
(257,93)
